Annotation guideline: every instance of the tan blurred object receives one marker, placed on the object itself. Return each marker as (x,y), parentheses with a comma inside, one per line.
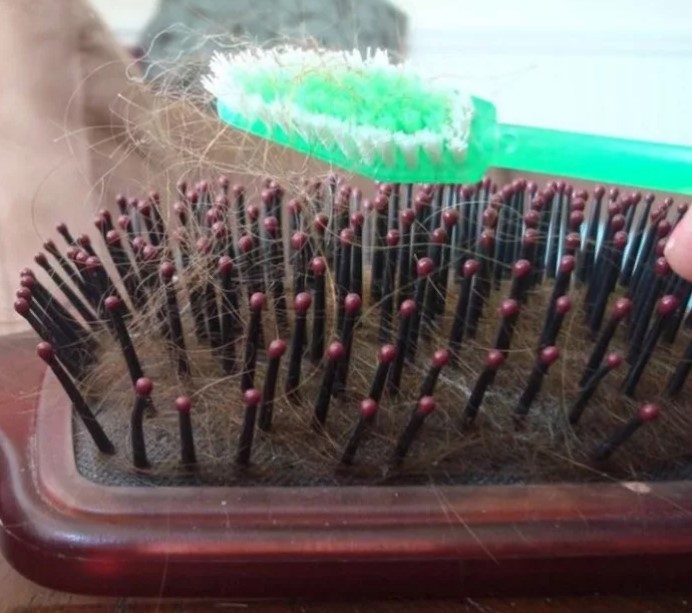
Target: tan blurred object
(64,151)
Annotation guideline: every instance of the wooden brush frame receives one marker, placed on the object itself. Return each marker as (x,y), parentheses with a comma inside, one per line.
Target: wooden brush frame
(65,532)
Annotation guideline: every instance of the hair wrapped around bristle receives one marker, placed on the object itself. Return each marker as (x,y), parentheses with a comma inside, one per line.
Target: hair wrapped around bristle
(422,334)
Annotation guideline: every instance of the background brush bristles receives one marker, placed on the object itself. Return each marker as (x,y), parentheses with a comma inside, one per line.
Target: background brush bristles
(413,334)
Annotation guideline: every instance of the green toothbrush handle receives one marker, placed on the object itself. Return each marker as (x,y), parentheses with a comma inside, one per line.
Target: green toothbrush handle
(595,158)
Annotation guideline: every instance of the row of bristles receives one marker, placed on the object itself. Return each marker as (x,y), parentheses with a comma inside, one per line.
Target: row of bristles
(480,236)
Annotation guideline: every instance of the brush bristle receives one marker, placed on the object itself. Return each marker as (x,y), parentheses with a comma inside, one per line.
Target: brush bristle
(459,300)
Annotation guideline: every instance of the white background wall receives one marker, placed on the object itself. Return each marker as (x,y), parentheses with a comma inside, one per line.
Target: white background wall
(618,67)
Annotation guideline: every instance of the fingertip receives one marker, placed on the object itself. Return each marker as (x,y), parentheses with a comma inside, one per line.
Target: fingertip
(678,250)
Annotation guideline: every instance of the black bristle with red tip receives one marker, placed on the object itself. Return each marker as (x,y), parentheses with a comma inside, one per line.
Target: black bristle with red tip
(611,362)
(546,357)
(665,309)
(494,360)
(334,355)
(425,406)
(173,319)
(301,305)
(646,414)
(252,341)
(413,235)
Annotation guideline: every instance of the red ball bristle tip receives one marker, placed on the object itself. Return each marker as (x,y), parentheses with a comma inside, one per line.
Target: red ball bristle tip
(649,198)
(614,193)
(622,308)
(144,207)
(487,239)
(450,218)
(27,281)
(421,203)
(276,348)
(393,238)
(667,305)
(368,408)
(113,237)
(494,359)
(299,240)
(245,243)
(253,212)
(294,206)
(508,308)
(112,303)
(167,270)
(257,301)
(387,354)
(424,267)
(599,191)
(336,351)
(620,240)
(613,360)
(649,412)
(357,219)
(238,190)
(563,305)
(380,203)
(386,189)
(203,245)
(150,253)
(223,182)
(22,306)
(661,267)
(489,217)
(576,219)
(617,223)
(93,262)
(218,229)
(84,241)
(466,191)
(271,225)
(664,228)
(24,293)
(267,196)
(521,268)
(531,218)
(470,268)
(144,386)
(367,205)
(321,222)
(352,303)
(408,216)
(549,355)
(439,236)
(567,263)
(426,405)
(183,404)
(252,397)
(45,352)
(440,358)
(27,272)
(668,202)
(80,257)
(573,241)
(577,205)
(407,308)
(346,236)
(530,237)
(318,265)
(302,302)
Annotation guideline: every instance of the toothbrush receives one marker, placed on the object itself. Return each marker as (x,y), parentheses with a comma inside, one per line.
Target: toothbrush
(384,121)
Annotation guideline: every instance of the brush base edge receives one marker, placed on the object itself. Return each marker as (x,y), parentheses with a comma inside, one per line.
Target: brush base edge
(67,533)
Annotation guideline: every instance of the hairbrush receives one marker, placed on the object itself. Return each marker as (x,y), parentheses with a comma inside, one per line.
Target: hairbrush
(389,122)
(434,390)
